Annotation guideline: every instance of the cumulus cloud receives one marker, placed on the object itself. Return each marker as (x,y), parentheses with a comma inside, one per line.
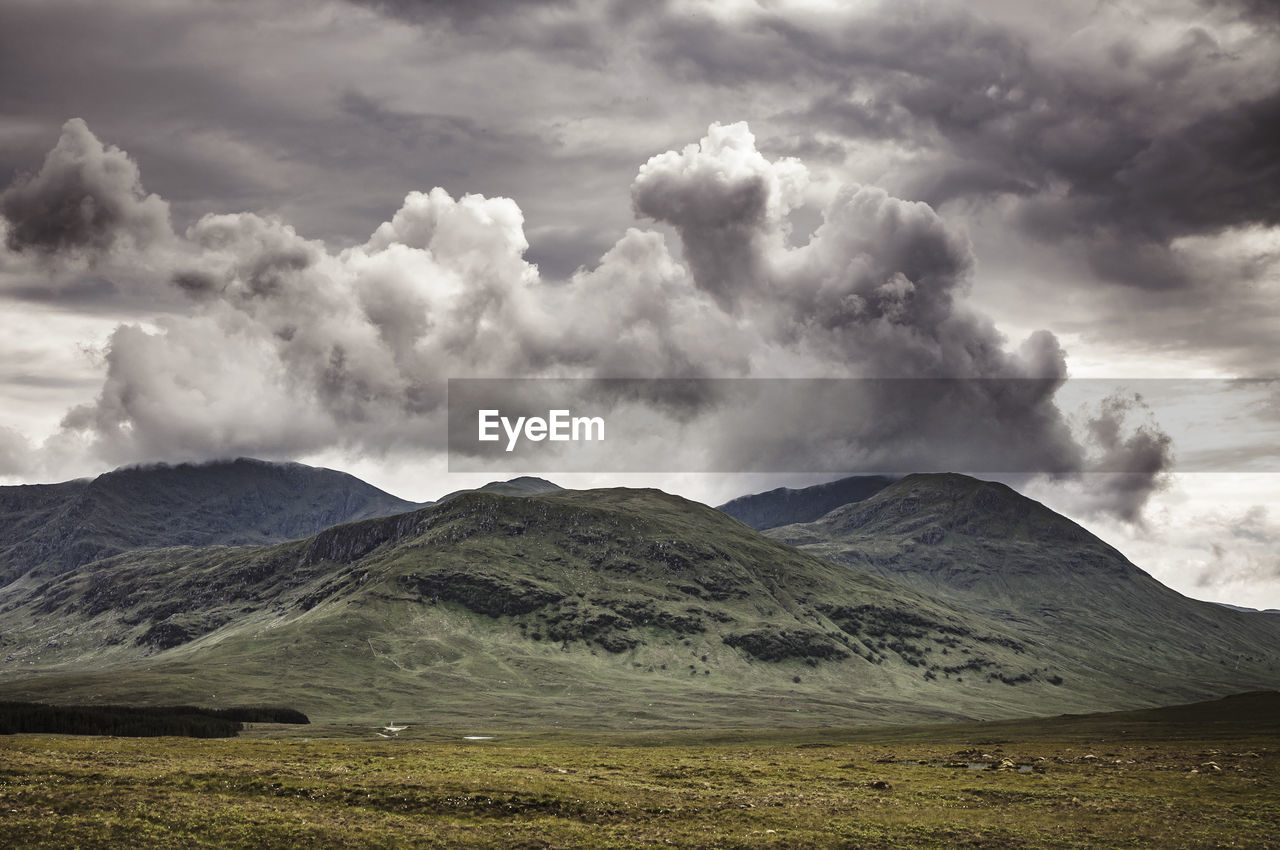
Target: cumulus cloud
(82,232)
(286,347)
(1129,460)
(1114,130)
(727,202)
(85,200)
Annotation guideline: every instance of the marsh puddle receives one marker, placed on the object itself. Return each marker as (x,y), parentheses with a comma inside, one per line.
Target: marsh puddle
(968,765)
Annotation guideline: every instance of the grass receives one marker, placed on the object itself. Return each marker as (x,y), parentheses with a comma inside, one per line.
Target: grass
(1202,776)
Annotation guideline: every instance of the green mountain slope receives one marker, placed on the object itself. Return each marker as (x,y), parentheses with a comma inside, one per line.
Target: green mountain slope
(62,526)
(596,608)
(785,505)
(985,547)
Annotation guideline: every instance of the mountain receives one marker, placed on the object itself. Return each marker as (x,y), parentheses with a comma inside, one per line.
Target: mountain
(939,597)
(983,546)
(522,486)
(1250,610)
(784,505)
(58,527)
(606,607)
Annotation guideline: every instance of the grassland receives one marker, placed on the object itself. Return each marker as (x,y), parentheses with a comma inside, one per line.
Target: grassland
(1200,776)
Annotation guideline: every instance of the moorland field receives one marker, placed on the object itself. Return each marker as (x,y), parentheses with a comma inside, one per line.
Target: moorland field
(1203,775)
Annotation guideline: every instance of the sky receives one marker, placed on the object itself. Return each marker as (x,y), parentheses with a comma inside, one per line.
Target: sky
(277,230)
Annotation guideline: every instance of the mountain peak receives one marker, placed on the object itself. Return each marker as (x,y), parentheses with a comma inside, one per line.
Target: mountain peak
(226,502)
(524,485)
(954,503)
(784,505)
(240,465)
(984,546)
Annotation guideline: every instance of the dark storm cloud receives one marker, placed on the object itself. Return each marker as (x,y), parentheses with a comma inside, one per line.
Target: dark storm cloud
(1109,134)
(85,292)
(1220,171)
(722,222)
(85,199)
(82,233)
(185,89)
(1144,451)
(569,31)
(444,137)
(572,28)
(559,251)
(1144,150)
(405,127)
(137,76)
(1264,12)
(460,12)
(117,66)
(1112,154)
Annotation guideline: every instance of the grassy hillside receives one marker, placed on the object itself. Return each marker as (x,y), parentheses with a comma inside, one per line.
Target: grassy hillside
(635,609)
(627,608)
(58,527)
(985,547)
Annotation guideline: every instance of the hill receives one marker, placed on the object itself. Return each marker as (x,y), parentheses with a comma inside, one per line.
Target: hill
(629,608)
(58,527)
(785,505)
(522,486)
(983,546)
(626,608)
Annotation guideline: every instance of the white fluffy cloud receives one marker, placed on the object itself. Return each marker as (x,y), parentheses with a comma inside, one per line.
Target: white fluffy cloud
(284,347)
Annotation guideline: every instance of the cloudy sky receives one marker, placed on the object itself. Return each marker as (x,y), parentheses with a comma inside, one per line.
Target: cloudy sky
(276,230)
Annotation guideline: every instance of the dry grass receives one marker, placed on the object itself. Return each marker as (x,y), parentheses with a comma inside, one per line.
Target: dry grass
(1091,784)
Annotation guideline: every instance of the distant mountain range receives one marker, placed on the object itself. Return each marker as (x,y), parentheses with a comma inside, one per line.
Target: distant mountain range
(58,527)
(785,506)
(523,604)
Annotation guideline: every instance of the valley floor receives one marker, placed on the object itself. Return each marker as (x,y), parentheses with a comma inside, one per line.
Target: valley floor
(1133,779)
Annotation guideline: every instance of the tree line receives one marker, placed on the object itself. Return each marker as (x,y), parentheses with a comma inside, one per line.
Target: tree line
(138,721)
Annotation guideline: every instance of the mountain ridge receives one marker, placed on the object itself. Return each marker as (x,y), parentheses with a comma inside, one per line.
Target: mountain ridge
(987,548)
(59,527)
(570,604)
(785,505)
(937,597)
